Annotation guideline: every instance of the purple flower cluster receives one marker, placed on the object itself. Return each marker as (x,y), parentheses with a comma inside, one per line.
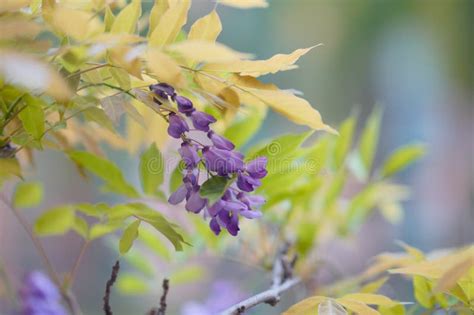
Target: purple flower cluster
(39,296)
(218,159)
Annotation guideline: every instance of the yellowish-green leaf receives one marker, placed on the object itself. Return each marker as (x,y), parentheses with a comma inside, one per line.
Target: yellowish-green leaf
(164,68)
(170,24)
(101,229)
(187,274)
(369,298)
(154,243)
(81,227)
(28,194)
(256,68)
(331,307)
(13,5)
(75,23)
(344,141)
(106,170)
(126,20)
(306,306)
(205,51)
(451,276)
(357,307)
(206,28)
(243,128)
(109,18)
(129,235)
(292,107)
(131,284)
(122,77)
(374,286)
(402,158)
(8,168)
(392,310)
(158,10)
(369,139)
(422,292)
(152,168)
(245,4)
(32,116)
(56,221)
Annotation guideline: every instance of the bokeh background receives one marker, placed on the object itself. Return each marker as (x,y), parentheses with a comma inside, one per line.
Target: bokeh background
(412,58)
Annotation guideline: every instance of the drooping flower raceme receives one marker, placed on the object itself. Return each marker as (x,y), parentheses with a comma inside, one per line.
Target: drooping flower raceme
(216,159)
(39,296)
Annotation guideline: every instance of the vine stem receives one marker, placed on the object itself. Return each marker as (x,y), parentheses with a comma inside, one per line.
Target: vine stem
(77,263)
(68,298)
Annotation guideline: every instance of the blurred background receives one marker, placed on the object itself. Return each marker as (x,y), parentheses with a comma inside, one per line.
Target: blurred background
(412,58)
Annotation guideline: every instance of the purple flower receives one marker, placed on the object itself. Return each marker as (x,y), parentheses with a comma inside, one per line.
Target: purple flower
(201,121)
(230,220)
(195,203)
(177,126)
(163,90)
(216,207)
(247,183)
(251,201)
(251,214)
(179,195)
(185,105)
(257,167)
(220,142)
(189,154)
(215,227)
(39,296)
(222,161)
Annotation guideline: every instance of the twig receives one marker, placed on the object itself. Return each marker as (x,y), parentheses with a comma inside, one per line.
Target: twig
(282,280)
(162,309)
(67,296)
(72,275)
(108,288)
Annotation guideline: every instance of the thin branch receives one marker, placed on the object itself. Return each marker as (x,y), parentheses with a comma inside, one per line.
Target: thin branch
(162,309)
(72,275)
(282,280)
(67,296)
(108,288)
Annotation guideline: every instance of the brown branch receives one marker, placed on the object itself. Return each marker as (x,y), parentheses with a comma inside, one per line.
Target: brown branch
(108,288)
(282,281)
(162,309)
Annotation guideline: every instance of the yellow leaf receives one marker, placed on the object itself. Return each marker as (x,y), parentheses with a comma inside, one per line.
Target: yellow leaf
(451,276)
(127,58)
(75,23)
(255,68)
(206,28)
(159,8)
(245,4)
(305,307)
(369,298)
(18,27)
(126,20)
(13,5)
(205,51)
(357,307)
(292,107)
(170,24)
(373,286)
(32,74)
(164,68)
(331,307)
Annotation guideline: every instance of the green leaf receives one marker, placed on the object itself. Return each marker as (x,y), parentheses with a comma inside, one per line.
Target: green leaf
(122,77)
(344,141)
(369,139)
(126,20)
(151,169)
(28,195)
(55,221)
(109,18)
(101,229)
(242,130)
(130,234)
(214,188)
(154,243)
(423,294)
(9,168)
(401,158)
(32,116)
(81,227)
(282,147)
(106,170)
(187,274)
(176,177)
(159,222)
(99,116)
(131,284)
